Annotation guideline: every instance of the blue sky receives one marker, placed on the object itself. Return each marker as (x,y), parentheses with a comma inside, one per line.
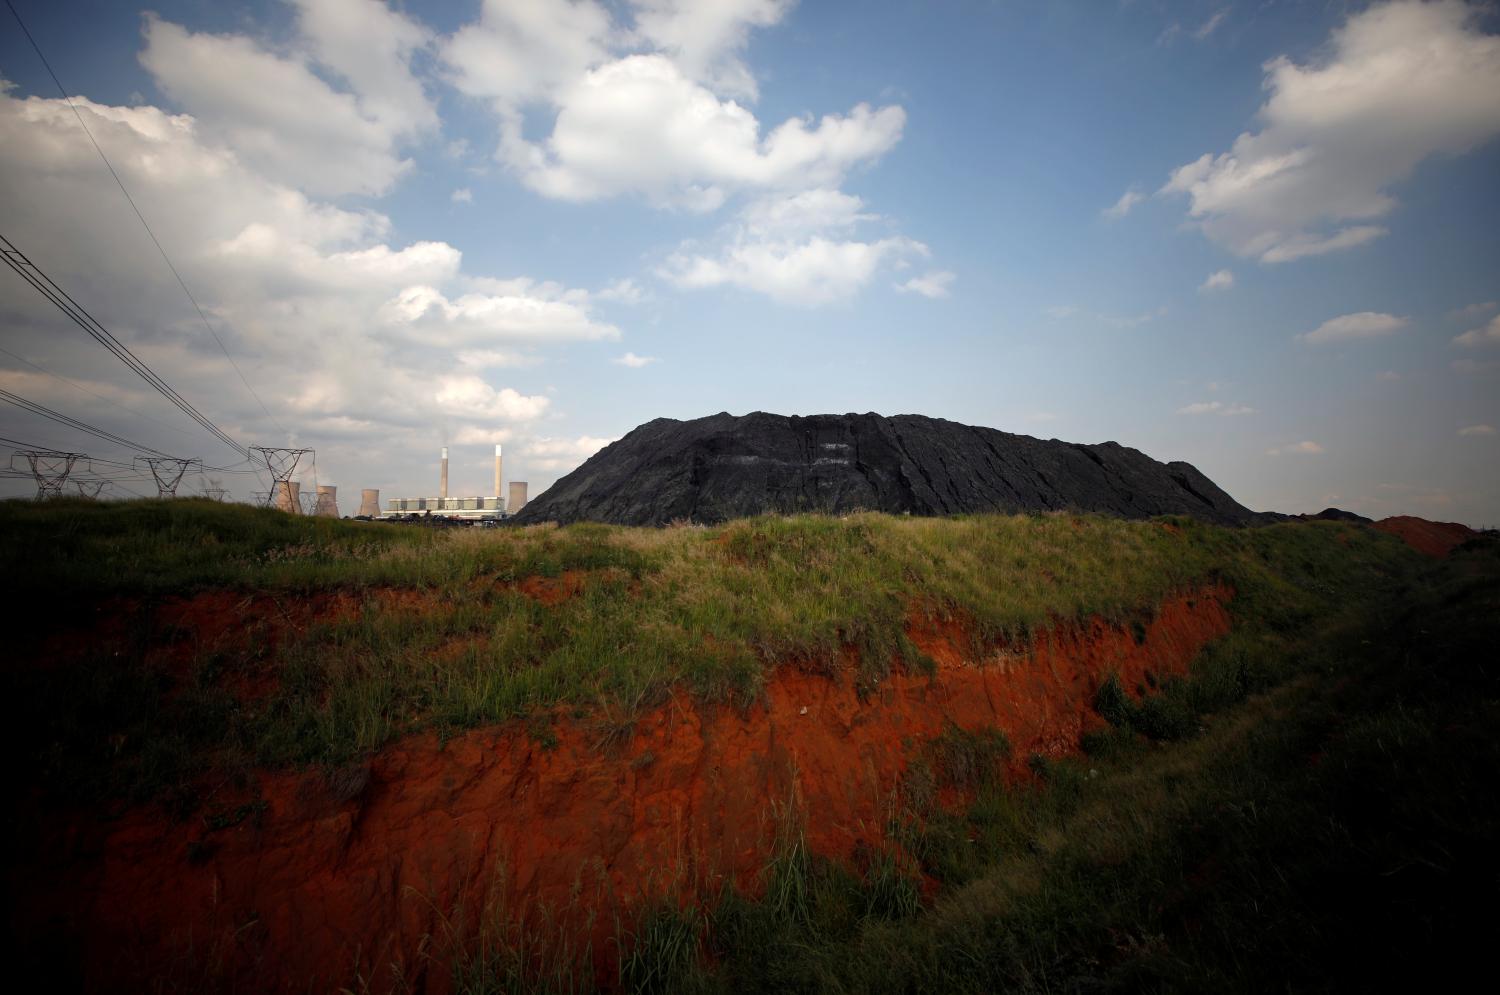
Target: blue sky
(1259,237)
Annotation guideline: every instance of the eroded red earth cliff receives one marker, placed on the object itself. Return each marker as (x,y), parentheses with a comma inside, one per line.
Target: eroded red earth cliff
(368,873)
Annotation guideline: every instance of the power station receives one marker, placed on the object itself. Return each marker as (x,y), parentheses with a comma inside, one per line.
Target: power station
(485,508)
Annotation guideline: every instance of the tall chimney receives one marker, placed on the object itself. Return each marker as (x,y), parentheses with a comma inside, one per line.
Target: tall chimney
(369,502)
(288,496)
(328,501)
(497,471)
(443,479)
(517,496)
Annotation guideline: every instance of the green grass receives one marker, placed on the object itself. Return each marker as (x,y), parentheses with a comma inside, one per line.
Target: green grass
(1325,822)
(1313,808)
(151,712)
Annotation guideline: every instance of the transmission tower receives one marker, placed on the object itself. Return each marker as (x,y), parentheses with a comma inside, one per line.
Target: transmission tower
(309,503)
(168,472)
(280,464)
(49,469)
(215,490)
(262,498)
(90,489)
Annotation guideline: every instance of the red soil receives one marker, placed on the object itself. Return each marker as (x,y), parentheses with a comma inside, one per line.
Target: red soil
(1432,538)
(368,872)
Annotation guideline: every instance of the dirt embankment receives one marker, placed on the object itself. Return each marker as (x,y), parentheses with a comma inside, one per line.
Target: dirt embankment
(367,873)
(1432,538)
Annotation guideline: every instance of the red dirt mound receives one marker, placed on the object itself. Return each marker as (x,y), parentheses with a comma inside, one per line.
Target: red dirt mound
(1432,538)
(323,879)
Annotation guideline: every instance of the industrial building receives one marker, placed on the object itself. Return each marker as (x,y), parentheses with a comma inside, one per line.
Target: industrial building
(486,508)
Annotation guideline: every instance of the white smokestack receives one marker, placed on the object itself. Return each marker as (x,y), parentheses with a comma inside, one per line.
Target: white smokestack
(443,479)
(497,470)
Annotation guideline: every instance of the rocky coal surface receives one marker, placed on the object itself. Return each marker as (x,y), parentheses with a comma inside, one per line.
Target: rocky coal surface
(725,466)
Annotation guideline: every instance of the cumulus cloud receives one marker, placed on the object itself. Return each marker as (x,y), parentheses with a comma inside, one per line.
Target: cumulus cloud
(633,361)
(561,455)
(1477,430)
(1354,327)
(625,291)
(289,123)
(1122,207)
(809,273)
(355,343)
(704,39)
(796,248)
(639,125)
(1401,82)
(1487,334)
(1220,280)
(934,284)
(1297,449)
(519,310)
(463,195)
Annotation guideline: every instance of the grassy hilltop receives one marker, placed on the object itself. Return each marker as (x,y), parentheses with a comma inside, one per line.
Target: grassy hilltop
(1309,809)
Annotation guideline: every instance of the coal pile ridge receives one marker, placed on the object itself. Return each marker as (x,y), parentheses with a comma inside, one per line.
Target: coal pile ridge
(724,466)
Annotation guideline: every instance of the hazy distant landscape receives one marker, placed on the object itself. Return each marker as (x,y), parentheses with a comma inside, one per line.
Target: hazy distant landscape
(749,496)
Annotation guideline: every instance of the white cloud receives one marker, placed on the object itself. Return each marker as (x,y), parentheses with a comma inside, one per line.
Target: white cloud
(704,38)
(371,46)
(560,455)
(1122,207)
(625,291)
(1388,376)
(1220,280)
(633,361)
(1474,311)
(463,195)
(511,311)
(487,359)
(1354,327)
(522,51)
(1477,430)
(469,396)
(638,125)
(795,248)
(1298,449)
(808,273)
(1401,82)
(1215,408)
(1211,25)
(934,284)
(283,119)
(357,344)
(1488,334)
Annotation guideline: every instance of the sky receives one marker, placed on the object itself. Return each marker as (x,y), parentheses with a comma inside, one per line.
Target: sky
(1260,237)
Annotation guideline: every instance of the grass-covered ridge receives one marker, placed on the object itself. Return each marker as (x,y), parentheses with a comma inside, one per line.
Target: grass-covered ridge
(708,609)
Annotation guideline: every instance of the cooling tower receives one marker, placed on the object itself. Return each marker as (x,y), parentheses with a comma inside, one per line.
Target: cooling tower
(497,470)
(328,501)
(443,477)
(289,496)
(369,502)
(517,499)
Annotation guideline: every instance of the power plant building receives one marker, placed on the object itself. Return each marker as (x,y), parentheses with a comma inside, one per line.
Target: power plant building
(465,508)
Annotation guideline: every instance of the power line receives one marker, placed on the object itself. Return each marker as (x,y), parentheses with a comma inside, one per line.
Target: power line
(95,393)
(141,217)
(62,419)
(44,284)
